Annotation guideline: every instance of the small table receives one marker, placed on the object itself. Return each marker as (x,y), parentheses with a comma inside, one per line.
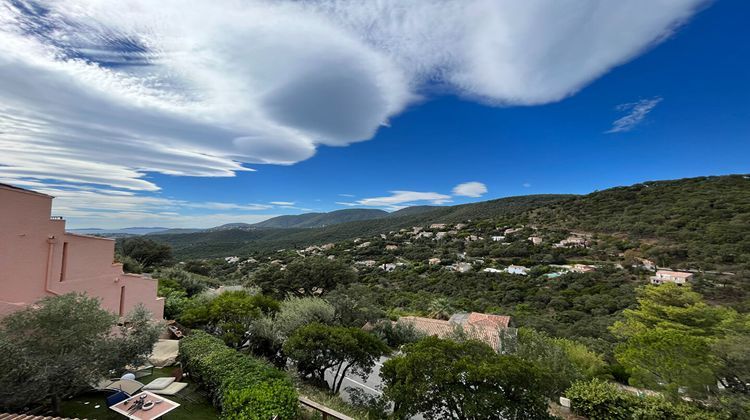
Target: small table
(159,409)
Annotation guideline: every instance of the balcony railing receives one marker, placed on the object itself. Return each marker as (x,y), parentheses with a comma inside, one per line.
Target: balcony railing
(56,218)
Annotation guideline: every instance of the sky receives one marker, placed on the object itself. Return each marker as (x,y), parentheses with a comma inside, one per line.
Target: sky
(194,114)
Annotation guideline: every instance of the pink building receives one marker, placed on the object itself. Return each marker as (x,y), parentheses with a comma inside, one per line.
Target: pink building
(38,258)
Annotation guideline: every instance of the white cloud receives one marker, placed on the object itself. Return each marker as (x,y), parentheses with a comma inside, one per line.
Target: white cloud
(347,195)
(470,189)
(401,199)
(105,92)
(344,203)
(86,206)
(636,112)
(283,203)
(526,185)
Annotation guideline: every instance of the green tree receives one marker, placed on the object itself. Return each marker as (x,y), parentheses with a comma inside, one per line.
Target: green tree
(668,339)
(466,380)
(313,276)
(565,361)
(62,344)
(146,252)
(228,315)
(355,305)
(295,312)
(267,334)
(440,308)
(316,348)
(398,333)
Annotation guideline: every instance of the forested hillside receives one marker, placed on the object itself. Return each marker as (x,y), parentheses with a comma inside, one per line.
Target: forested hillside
(238,241)
(704,219)
(700,223)
(313,220)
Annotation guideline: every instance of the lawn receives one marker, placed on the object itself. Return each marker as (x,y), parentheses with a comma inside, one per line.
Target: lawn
(194,403)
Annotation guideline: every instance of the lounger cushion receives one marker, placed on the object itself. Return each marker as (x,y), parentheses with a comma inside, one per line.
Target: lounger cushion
(172,389)
(159,383)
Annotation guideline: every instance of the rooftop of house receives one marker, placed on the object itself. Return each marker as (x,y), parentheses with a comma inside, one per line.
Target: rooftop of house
(479,326)
(19,189)
(673,273)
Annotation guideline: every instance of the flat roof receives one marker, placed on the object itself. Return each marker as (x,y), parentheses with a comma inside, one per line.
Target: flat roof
(24,190)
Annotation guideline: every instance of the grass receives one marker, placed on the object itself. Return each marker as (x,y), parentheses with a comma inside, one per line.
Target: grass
(194,404)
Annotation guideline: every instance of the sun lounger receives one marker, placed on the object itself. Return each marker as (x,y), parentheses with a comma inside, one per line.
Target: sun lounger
(159,383)
(126,385)
(172,389)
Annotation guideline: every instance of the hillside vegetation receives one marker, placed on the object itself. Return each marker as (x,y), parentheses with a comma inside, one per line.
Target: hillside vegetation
(217,243)
(313,220)
(704,219)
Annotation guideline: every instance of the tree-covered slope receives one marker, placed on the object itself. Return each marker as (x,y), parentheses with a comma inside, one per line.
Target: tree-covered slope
(698,219)
(224,242)
(314,220)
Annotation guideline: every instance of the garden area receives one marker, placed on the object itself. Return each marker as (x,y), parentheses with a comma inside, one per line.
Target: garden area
(194,402)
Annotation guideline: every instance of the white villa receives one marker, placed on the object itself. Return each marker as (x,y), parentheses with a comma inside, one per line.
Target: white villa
(676,277)
(517,269)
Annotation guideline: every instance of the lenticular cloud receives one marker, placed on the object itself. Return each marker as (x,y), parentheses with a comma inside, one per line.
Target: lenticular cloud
(105,92)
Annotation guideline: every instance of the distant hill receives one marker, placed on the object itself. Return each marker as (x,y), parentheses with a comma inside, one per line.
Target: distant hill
(119,232)
(696,219)
(224,242)
(315,220)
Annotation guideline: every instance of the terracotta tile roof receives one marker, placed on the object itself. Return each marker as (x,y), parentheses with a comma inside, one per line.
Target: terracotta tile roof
(673,273)
(499,321)
(478,326)
(429,326)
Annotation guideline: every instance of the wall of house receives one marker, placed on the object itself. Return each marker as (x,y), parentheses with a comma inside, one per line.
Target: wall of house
(38,258)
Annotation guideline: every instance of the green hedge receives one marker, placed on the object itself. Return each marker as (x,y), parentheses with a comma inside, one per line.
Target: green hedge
(598,399)
(242,387)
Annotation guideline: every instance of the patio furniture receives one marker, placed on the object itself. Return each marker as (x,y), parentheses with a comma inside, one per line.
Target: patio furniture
(171,389)
(165,386)
(145,370)
(159,383)
(132,408)
(116,398)
(127,385)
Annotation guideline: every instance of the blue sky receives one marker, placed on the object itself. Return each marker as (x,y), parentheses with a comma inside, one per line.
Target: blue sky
(535,114)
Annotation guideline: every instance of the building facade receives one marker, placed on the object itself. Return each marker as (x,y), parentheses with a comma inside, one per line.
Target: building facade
(667,276)
(38,258)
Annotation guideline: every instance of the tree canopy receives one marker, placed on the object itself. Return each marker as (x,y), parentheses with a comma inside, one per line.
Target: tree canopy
(64,343)
(668,339)
(315,348)
(305,277)
(148,253)
(467,380)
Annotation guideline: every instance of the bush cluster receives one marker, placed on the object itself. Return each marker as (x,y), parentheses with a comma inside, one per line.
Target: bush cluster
(599,399)
(241,386)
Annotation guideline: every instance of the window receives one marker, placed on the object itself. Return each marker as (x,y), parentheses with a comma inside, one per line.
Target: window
(64,265)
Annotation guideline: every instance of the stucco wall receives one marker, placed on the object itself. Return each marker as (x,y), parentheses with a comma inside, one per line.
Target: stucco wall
(31,260)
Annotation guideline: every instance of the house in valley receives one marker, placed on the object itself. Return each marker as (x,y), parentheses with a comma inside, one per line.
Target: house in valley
(483,327)
(667,276)
(517,269)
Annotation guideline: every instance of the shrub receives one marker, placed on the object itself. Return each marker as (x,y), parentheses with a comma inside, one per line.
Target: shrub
(598,399)
(241,386)
(397,334)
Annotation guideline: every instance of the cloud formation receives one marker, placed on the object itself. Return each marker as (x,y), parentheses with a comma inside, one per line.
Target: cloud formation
(470,189)
(197,88)
(102,93)
(636,113)
(400,199)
